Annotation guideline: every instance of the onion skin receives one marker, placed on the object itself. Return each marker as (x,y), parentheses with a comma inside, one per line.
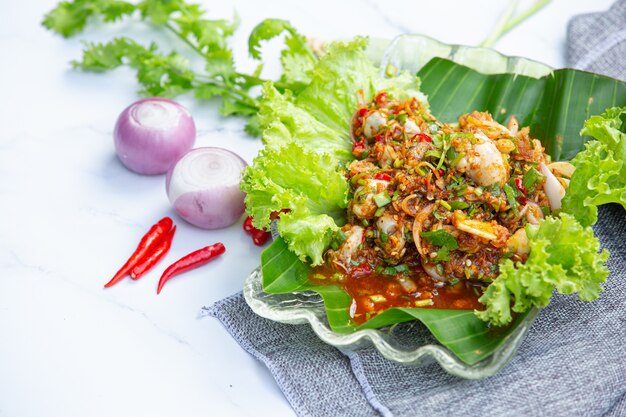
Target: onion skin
(152,133)
(203,186)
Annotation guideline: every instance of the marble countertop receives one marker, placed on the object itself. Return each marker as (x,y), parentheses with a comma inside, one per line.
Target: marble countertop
(71,214)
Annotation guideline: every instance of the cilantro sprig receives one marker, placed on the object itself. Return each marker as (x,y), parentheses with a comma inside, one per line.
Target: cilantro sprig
(171,74)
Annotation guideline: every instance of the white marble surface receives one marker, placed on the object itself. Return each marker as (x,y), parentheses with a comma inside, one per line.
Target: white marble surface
(70,214)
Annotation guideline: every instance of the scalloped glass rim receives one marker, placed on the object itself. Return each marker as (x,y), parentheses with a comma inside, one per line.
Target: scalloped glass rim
(401,54)
(308,307)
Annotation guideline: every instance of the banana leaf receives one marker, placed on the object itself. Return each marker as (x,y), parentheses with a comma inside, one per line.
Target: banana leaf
(554,106)
(459,330)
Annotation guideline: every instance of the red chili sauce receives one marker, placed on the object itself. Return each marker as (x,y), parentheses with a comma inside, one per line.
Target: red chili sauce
(374,292)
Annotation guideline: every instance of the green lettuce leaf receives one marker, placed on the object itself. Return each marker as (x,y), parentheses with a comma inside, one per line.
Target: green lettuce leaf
(600,175)
(303,187)
(563,255)
(343,72)
(307,142)
(297,58)
(284,122)
(319,118)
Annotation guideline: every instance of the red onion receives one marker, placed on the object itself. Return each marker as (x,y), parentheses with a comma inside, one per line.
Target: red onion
(151,134)
(203,187)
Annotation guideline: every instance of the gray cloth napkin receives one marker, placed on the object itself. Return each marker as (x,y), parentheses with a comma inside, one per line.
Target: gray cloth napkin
(596,42)
(572,363)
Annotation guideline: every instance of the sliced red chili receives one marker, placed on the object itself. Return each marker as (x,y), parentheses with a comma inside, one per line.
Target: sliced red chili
(247,225)
(381,98)
(520,186)
(260,237)
(362,111)
(153,257)
(358,148)
(382,176)
(363,269)
(191,261)
(423,137)
(148,242)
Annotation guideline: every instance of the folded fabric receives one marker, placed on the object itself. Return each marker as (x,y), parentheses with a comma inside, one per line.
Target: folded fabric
(572,363)
(596,42)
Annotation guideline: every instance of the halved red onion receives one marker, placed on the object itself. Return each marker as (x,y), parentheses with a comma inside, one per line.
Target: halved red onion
(203,187)
(151,134)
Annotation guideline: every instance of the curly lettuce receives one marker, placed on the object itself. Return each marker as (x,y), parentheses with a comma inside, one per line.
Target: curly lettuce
(285,122)
(563,255)
(297,58)
(319,117)
(298,177)
(600,175)
(302,188)
(342,76)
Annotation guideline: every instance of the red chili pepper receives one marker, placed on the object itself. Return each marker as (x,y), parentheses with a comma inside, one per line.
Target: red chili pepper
(362,111)
(362,269)
(381,98)
(423,137)
(247,225)
(382,176)
(148,242)
(441,172)
(358,147)
(153,257)
(520,186)
(260,237)
(191,261)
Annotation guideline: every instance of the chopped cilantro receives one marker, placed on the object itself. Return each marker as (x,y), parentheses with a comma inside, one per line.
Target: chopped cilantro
(441,238)
(458,205)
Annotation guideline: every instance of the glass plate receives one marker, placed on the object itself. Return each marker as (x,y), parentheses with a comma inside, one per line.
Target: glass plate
(406,52)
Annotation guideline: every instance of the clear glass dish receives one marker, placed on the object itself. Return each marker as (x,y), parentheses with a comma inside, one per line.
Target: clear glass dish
(405,343)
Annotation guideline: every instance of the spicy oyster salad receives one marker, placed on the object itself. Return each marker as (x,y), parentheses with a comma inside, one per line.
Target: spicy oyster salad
(433,207)
(398,209)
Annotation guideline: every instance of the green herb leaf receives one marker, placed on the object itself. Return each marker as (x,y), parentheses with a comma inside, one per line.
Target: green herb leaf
(297,58)
(442,255)
(70,17)
(457,205)
(441,238)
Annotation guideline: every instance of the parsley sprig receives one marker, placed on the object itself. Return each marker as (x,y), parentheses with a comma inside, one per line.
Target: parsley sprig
(171,74)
